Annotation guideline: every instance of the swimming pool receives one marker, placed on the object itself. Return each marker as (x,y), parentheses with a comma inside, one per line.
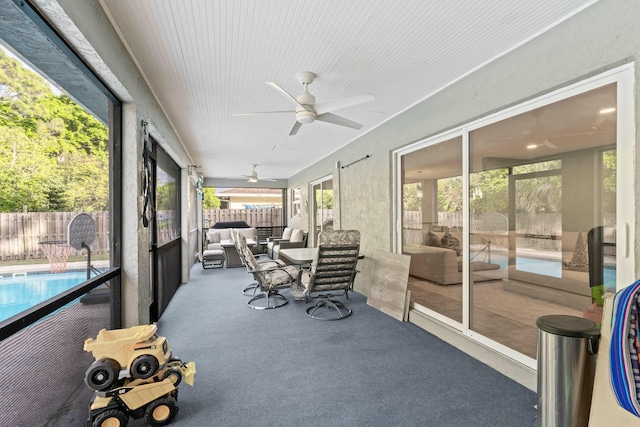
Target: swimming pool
(22,292)
(547,267)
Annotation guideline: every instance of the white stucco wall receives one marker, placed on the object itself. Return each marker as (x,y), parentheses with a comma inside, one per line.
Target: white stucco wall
(602,37)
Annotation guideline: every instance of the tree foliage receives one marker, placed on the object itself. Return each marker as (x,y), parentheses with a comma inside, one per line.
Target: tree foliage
(53,154)
(210,200)
(324,199)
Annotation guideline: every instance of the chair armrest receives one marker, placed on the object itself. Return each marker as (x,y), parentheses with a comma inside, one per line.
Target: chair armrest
(276,240)
(285,244)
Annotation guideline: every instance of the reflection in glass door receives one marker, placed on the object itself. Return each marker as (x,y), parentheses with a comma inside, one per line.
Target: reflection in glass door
(432,226)
(541,210)
(538,218)
(541,183)
(322,206)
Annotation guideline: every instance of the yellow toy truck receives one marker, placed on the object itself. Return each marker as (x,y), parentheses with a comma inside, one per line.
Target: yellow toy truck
(155,399)
(136,352)
(134,376)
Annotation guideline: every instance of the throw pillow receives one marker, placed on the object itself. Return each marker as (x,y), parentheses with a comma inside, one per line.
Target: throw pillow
(450,242)
(432,240)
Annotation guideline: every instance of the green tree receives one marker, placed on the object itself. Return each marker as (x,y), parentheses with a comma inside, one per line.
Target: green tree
(489,191)
(53,154)
(24,172)
(450,194)
(410,200)
(609,181)
(210,200)
(324,199)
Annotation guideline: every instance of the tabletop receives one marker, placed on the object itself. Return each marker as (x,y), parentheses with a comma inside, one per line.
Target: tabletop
(299,255)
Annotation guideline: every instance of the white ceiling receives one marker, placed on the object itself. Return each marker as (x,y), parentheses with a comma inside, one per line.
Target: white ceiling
(208,59)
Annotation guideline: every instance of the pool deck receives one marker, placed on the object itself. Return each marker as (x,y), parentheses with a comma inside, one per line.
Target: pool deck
(11,270)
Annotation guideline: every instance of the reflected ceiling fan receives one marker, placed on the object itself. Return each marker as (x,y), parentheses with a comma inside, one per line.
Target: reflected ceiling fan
(254,175)
(537,129)
(308,111)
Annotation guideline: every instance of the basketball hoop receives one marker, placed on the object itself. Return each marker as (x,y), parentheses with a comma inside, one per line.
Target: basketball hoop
(57,253)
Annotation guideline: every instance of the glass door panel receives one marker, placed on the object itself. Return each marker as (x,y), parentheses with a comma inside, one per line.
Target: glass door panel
(432,226)
(542,186)
(322,203)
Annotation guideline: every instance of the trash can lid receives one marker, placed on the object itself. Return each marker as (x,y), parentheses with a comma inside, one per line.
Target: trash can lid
(568,326)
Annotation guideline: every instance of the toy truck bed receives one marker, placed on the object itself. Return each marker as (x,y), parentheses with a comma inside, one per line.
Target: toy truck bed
(113,341)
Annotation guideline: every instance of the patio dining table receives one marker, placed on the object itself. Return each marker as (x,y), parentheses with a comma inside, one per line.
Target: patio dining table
(298,256)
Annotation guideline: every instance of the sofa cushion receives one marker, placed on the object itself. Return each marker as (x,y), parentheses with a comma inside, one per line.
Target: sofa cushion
(432,240)
(450,242)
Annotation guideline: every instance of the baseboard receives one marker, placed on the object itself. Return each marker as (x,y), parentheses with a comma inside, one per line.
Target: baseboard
(518,372)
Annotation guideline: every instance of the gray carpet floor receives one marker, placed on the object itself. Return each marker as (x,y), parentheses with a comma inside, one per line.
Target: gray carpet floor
(281,368)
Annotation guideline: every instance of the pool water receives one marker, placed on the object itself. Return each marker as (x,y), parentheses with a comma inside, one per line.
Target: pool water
(22,292)
(551,268)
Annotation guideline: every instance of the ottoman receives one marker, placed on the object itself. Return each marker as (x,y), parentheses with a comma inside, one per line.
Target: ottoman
(212,258)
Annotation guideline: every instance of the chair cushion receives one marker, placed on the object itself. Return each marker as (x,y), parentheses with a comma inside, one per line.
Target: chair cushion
(286,233)
(215,236)
(248,233)
(213,254)
(297,235)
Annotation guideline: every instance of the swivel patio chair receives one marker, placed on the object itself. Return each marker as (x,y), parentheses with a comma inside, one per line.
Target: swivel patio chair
(270,280)
(241,243)
(333,269)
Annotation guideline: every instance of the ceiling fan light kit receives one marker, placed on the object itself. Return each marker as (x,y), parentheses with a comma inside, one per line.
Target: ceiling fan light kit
(305,116)
(253,177)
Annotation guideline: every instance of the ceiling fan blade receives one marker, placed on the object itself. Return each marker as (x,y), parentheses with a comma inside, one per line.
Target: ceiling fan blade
(287,94)
(336,104)
(337,120)
(262,112)
(294,130)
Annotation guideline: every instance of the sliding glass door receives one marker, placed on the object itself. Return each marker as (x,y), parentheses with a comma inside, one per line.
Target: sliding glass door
(432,225)
(322,206)
(520,217)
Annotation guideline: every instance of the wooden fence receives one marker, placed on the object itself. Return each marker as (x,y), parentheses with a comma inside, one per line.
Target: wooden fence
(260,217)
(21,233)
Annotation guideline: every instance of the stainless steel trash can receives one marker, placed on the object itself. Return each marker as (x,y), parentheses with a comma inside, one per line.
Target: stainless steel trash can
(567,348)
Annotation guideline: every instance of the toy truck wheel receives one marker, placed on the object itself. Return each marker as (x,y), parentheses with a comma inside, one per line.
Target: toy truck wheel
(174,375)
(160,412)
(144,366)
(102,374)
(111,418)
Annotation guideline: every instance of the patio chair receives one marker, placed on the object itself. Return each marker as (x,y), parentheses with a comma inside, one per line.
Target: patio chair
(333,269)
(270,280)
(241,243)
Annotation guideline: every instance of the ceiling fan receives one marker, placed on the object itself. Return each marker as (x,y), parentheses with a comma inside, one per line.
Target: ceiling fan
(254,175)
(308,111)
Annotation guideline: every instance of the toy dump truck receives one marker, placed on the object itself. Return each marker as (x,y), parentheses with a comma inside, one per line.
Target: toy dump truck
(155,399)
(134,376)
(137,352)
